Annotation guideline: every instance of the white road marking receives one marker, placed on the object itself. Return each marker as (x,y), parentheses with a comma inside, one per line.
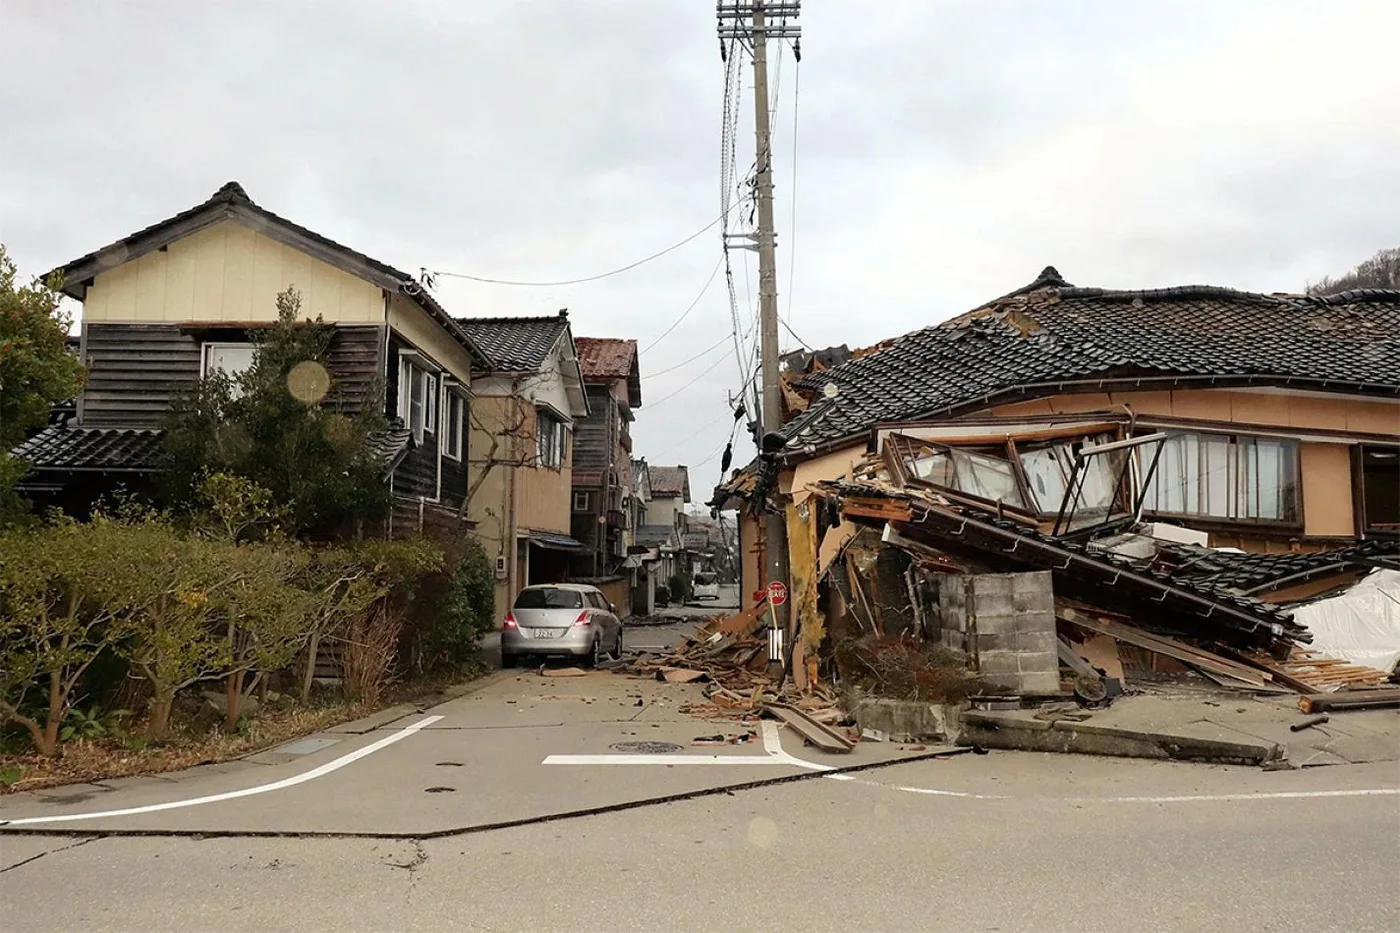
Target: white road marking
(661,759)
(302,778)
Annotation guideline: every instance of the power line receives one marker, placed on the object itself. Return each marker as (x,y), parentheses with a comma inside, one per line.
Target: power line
(698,376)
(591,278)
(792,220)
(677,321)
(708,350)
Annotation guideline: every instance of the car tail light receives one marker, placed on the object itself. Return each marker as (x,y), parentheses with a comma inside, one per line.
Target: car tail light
(583,618)
(510,620)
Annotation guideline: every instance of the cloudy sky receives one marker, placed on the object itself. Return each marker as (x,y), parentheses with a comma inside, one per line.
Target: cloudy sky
(945,152)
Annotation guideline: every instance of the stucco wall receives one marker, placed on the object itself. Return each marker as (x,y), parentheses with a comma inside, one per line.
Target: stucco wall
(1304,411)
(228,272)
(664,511)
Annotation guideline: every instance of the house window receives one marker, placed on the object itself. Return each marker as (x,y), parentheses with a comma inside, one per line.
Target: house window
(1380,490)
(582,502)
(231,359)
(551,438)
(454,424)
(417,399)
(1229,478)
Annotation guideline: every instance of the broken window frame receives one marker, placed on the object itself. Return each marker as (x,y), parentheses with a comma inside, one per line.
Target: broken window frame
(1128,481)
(901,450)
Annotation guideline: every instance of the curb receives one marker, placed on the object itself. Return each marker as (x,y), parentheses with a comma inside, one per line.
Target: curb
(991,730)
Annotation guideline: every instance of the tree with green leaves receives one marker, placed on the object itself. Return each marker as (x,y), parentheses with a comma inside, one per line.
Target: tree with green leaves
(36,370)
(284,425)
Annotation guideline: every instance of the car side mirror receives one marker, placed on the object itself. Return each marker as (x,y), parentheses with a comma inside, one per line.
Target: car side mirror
(612,609)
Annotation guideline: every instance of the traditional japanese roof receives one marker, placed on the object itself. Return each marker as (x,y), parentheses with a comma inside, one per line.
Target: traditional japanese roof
(1052,337)
(608,358)
(517,344)
(102,449)
(66,449)
(667,482)
(1259,573)
(232,202)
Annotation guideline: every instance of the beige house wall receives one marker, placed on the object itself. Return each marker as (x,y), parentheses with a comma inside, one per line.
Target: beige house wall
(418,328)
(1327,498)
(663,511)
(1295,411)
(228,272)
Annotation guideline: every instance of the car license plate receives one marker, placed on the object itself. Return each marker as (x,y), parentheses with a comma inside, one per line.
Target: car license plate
(545,632)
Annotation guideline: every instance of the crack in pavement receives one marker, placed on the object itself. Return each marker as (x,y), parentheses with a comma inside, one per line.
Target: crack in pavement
(479,828)
(35,858)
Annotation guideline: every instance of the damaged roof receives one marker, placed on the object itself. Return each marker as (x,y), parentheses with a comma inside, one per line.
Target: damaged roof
(669,481)
(1051,337)
(517,344)
(1255,573)
(607,358)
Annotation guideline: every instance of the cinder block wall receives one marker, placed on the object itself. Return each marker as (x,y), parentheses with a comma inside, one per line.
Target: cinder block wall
(1005,622)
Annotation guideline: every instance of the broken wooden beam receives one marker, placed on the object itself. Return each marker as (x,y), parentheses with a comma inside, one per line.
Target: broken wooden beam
(1167,646)
(812,731)
(1349,699)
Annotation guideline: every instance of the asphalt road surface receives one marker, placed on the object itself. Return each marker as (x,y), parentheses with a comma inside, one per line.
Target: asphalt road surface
(518,807)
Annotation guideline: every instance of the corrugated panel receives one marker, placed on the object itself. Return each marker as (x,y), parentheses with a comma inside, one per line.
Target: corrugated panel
(135,371)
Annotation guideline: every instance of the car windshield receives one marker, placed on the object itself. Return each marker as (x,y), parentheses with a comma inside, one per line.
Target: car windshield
(703,579)
(549,598)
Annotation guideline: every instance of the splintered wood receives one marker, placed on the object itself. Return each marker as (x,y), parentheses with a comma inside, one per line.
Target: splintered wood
(733,665)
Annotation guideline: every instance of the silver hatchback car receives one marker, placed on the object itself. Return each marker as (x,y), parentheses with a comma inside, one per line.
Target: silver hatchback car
(561,619)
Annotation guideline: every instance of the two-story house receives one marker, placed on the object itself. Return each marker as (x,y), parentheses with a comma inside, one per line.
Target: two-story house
(520,466)
(602,476)
(670,494)
(183,297)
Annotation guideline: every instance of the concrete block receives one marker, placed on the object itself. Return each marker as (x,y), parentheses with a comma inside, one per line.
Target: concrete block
(1006,680)
(1040,683)
(1036,642)
(989,623)
(998,662)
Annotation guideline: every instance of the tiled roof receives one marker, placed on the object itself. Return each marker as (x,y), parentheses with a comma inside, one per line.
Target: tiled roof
(230,200)
(517,344)
(668,481)
(67,448)
(606,357)
(1051,332)
(1259,572)
(63,448)
(391,445)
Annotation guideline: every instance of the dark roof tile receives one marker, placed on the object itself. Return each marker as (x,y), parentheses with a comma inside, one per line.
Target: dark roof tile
(517,344)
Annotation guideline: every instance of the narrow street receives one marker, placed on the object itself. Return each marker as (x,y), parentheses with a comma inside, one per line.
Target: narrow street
(521,805)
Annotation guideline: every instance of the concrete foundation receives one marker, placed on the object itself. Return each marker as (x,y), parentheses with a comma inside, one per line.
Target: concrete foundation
(907,720)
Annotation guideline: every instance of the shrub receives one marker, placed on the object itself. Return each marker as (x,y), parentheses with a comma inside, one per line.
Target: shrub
(680,587)
(466,610)
(663,595)
(396,570)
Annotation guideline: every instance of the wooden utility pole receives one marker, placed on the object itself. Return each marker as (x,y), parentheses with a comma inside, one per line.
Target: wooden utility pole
(755,22)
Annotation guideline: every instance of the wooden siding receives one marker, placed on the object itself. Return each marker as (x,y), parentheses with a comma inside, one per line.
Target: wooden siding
(593,442)
(228,272)
(135,371)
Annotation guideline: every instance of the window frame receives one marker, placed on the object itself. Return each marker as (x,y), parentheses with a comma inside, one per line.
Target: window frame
(1234,493)
(414,375)
(551,439)
(587,501)
(208,346)
(454,425)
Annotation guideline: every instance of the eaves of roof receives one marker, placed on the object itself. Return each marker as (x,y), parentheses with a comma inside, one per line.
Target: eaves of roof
(232,202)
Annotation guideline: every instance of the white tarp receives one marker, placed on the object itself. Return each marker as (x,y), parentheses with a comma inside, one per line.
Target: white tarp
(1361,625)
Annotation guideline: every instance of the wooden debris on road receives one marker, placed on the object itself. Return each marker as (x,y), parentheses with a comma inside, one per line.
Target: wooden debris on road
(812,731)
(1350,699)
(561,672)
(676,675)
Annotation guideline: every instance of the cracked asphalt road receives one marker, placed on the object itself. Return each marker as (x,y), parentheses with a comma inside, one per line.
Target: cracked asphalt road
(1005,841)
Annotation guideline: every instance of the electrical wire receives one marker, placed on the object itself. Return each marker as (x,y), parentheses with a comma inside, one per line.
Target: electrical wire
(676,323)
(792,220)
(590,278)
(710,349)
(698,376)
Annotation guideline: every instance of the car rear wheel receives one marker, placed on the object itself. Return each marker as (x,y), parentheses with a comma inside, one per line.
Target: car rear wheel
(618,653)
(510,660)
(595,653)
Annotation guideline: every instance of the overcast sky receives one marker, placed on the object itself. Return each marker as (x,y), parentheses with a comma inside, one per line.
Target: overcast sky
(946,152)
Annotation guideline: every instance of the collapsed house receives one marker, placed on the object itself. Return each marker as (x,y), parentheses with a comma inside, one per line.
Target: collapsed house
(1067,480)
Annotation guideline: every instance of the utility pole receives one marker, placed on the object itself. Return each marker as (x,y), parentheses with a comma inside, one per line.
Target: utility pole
(757,21)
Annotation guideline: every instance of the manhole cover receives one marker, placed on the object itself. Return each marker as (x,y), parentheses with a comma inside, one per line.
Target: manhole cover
(439,790)
(646,748)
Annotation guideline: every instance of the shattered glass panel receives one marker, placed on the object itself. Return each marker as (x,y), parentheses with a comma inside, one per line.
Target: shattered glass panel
(1099,492)
(935,468)
(987,478)
(1048,471)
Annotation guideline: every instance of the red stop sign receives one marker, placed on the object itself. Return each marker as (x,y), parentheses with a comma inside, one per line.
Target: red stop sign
(777,592)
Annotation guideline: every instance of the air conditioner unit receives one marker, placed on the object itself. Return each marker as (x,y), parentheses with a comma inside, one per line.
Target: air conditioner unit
(501,567)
